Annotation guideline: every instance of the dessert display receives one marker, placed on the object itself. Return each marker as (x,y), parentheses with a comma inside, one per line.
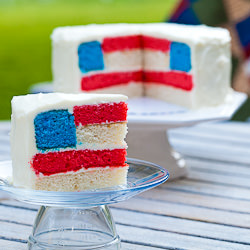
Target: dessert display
(181,64)
(75,141)
(69,142)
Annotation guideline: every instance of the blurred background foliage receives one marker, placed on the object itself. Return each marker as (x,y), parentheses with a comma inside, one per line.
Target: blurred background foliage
(26,25)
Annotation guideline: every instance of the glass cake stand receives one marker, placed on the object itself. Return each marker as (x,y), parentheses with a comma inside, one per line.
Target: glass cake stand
(81,220)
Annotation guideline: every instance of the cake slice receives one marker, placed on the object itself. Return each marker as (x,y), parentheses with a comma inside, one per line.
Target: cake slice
(69,142)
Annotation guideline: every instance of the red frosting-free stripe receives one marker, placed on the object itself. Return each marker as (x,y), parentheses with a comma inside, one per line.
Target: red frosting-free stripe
(111,44)
(153,43)
(176,79)
(62,162)
(100,113)
(104,80)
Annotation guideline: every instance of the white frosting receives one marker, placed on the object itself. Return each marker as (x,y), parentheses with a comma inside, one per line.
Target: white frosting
(36,103)
(190,34)
(76,34)
(210,58)
(171,31)
(211,65)
(22,136)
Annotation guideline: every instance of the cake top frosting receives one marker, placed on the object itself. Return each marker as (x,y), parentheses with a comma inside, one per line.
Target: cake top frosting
(38,102)
(187,33)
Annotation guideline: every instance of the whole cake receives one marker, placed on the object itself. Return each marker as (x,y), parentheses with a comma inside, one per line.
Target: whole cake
(69,142)
(182,64)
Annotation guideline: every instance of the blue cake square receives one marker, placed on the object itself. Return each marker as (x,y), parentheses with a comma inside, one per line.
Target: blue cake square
(55,129)
(90,56)
(180,57)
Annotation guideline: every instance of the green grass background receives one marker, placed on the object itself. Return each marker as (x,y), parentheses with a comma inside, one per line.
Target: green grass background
(26,25)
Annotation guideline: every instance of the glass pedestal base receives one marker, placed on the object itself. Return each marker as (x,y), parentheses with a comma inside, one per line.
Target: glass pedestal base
(81,220)
(74,229)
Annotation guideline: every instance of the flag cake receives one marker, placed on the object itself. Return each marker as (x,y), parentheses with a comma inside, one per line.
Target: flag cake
(69,142)
(182,64)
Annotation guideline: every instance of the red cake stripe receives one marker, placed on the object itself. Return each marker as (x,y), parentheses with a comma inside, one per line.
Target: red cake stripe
(153,43)
(111,44)
(101,113)
(104,80)
(180,80)
(172,78)
(62,162)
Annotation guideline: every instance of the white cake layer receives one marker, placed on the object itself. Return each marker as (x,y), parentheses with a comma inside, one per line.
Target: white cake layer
(91,178)
(131,89)
(156,60)
(102,136)
(130,60)
(22,136)
(210,57)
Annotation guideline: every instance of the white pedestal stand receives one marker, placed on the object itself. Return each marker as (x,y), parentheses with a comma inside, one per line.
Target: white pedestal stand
(151,144)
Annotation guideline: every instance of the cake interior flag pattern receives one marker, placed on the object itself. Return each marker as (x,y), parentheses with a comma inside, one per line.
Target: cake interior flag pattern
(57,129)
(74,146)
(177,58)
(168,62)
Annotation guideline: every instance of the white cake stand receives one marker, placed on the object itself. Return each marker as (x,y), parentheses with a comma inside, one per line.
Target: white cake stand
(81,220)
(149,120)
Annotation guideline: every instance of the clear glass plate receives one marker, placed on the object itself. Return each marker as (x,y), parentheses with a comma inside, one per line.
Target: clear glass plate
(142,175)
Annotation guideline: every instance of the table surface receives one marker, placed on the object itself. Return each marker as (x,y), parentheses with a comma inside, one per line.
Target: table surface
(209,209)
